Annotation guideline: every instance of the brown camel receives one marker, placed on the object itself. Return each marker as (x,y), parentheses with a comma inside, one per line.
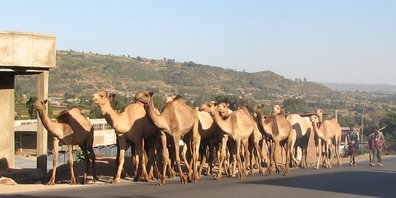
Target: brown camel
(300,134)
(131,124)
(278,128)
(328,131)
(238,125)
(71,128)
(177,119)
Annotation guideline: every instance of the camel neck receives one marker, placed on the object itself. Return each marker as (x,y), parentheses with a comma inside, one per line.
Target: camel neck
(155,116)
(318,130)
(50,125)
(223,123)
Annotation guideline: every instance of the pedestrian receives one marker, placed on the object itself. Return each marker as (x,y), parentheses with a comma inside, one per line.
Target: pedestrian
(352,140)
(378,141)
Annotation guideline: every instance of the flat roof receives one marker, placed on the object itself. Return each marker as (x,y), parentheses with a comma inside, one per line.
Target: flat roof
(25,51)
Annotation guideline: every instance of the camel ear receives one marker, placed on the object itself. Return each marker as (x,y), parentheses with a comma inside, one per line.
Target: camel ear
(261,105)
(45,101)
(151,93)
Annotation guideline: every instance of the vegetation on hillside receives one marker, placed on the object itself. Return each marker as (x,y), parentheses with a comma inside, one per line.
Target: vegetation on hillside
(78,75)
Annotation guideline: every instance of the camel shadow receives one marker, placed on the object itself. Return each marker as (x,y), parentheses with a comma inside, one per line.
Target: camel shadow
(380,183)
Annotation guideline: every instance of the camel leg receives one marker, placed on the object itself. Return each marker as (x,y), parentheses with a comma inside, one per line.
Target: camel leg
(55,154)
(276,147)
(304,151)
(122,145)
(184,156)
(196,142)
(165,158)
(71,163)
(86,160)
(141,162)
(259,157)
(221,156)
(93,159)
(238,158)
(272,158)
(288,149)
(232,158)
(246,172)
(183,178)
(318,153)
(337,151)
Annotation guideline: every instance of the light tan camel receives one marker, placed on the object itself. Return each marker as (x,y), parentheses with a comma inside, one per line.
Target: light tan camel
(328,131)
(300,135)
(177,119)
(278,128)
(131,124)
(238,125)
(71,128)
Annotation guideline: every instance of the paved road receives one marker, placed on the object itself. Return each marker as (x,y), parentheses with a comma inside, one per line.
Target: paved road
(345,181)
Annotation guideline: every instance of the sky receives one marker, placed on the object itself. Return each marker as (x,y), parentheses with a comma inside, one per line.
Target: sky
(338,41)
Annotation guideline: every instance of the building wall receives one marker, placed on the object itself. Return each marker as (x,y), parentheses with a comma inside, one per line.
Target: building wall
(7,81)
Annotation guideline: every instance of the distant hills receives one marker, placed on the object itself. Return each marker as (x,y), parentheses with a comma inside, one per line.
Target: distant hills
(383,88)
(79,73)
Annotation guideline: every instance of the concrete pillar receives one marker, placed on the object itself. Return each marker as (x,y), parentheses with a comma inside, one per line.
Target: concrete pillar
(42,134)
(7,81)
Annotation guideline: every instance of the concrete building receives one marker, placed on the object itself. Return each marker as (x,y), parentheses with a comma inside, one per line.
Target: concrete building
(23,53)
(26,135)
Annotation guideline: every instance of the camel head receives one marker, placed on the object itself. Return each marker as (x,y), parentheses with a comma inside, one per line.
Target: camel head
(102,97)
(208,107)
(170,99)
(144,96)
(319,113)
(223,107)
(278,110)
(314,119)
(258,109)
(39,105)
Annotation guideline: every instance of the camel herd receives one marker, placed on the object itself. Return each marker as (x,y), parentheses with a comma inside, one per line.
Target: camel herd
(226,142)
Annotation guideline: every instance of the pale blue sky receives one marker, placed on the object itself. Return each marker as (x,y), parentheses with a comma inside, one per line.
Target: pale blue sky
(348,41)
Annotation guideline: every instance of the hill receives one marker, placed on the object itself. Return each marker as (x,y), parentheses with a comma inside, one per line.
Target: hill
(383,88)
(80,73)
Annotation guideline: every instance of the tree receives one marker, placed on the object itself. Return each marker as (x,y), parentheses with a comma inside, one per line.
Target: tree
(29,105)
(295,105)
(234,101)
(389,122)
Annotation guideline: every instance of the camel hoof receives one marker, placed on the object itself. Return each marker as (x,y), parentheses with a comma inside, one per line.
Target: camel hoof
(183,179)
(115,181)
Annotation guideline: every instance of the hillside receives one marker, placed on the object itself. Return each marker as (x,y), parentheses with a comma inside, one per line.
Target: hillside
(80,73)
(382,88)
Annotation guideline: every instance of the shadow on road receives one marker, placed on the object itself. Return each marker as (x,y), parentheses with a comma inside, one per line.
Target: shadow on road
(375,183)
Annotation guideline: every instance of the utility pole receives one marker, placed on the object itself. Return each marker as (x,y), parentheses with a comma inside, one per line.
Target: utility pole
(362,125)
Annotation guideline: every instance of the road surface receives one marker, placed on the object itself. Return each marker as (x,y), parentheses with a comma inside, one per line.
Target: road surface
(345,181)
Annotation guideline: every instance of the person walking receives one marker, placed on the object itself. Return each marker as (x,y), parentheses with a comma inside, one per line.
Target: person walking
(377,139)
(352,140)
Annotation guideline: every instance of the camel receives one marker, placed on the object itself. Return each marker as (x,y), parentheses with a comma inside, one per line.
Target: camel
(300,133)
(131,124)
(177,119)
(70,128)
(239,126)
(328,131)
(278,128)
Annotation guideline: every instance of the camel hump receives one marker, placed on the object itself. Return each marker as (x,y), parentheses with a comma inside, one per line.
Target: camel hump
(63,116)
(178,97)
